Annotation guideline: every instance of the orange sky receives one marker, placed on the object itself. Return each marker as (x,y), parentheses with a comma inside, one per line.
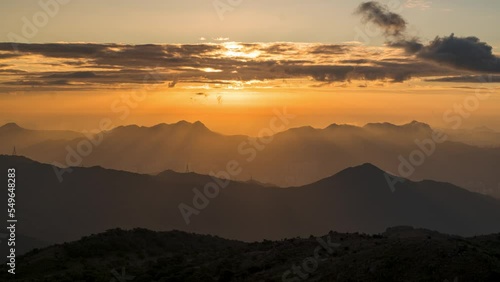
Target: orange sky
(248,109)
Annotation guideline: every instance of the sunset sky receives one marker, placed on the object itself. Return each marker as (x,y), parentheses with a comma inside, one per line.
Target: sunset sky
(230,64)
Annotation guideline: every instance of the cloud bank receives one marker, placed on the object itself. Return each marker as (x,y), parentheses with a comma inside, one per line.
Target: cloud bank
(465,53)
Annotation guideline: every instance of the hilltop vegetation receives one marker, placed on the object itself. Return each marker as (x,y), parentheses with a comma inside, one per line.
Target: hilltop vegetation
(399,254)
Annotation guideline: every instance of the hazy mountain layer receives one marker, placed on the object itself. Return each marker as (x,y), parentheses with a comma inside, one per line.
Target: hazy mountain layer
(357,199)
(292,158)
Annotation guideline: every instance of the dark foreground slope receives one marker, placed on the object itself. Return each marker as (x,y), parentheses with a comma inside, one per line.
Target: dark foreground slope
(358,199)
(400,254)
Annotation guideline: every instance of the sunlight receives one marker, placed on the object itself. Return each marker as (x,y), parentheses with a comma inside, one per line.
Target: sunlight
(235,50)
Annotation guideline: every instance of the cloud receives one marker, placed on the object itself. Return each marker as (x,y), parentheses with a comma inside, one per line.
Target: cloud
(469,79)
(420,4)
(80,74)
(173,83)
(391,23)
(56,49)
(411,46)
(8,55)
(466,53)
(105,66)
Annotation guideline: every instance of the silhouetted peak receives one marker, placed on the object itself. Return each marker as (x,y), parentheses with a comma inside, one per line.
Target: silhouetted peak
(11,126)
(366,171)
(197,124)
(302,129)
(383,125)
(417,124)
(127,127)
(413,126)
(341,126)
(366,168)
(180,125)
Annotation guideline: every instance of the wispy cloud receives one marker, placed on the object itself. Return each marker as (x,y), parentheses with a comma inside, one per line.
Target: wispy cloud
(418,4)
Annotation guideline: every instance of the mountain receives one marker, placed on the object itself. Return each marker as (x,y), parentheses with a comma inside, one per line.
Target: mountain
(143,149)
(399,254)
(294,157)
(12,135)
(358,199)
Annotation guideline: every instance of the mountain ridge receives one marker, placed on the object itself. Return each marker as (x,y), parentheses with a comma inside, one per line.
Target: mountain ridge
(349,201)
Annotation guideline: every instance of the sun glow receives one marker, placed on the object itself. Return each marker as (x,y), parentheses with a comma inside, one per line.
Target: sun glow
(235,50)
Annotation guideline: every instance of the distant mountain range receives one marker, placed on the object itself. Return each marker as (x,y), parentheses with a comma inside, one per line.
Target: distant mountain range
(12,135)
(294,157)
(357,199)
(399,254)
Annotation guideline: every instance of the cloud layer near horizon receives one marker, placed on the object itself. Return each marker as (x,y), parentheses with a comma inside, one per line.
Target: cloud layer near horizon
(78,66)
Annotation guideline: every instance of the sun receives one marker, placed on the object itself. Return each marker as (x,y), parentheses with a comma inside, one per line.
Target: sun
(235,50)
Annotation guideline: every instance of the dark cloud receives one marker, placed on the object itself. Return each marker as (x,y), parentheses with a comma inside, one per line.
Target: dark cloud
(391,23)
(12,71)
(329,49)
(469,79)
(377,70)
(80,74)
(411,46)
(56,50)
(37,83)
(467,53)
(8,55)
(356,61)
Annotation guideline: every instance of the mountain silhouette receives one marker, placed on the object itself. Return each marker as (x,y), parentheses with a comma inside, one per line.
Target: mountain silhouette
(294,157)
(12,135)
(357,199)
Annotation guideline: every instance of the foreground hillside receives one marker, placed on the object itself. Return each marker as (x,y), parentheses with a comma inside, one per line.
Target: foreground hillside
(399,254)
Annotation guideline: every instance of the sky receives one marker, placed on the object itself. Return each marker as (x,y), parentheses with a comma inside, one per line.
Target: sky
(232,63)
(173,21)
